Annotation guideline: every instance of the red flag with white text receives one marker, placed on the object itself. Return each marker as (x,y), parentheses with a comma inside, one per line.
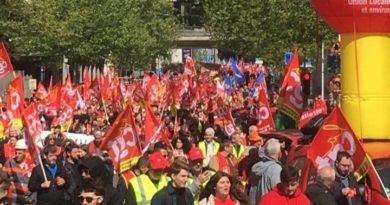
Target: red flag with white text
(15,97)
(5,62)
(266,121)
(319,108)
(337,135)
(33,128)
(122,142)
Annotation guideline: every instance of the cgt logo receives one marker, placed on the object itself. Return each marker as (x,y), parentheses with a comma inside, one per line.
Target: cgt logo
(121,144)
(15,100)
(346,143)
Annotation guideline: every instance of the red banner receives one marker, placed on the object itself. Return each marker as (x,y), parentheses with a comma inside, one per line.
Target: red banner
(319,108)
(290,98)
(122,141)
(15,97)
(266,122)
(33,127)
(223,118)
(337,135)
(5,62)
(189,66)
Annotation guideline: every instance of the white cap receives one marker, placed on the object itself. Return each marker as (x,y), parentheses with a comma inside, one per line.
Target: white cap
(21,144)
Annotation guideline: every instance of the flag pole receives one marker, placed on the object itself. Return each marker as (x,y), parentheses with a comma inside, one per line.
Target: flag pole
(40,159)
(377,175)
(105,112)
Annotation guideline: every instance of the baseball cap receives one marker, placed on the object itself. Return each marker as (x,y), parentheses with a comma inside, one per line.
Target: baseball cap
(157,161)
(195,153)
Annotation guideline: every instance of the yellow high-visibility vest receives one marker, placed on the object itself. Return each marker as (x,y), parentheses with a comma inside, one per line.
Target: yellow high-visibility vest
(203,147)
(144,188)
(241,150)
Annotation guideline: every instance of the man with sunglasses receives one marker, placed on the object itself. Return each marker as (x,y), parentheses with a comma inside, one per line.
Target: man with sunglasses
(345,189)
(91,195)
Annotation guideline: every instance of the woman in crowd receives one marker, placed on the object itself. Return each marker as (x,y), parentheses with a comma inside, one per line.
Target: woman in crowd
(181,146)
(222,190)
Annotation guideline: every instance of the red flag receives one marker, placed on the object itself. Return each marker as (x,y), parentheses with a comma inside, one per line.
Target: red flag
(34,128)
(266,122)
(319,108)
(122,141)
(153,88)
(54,101)
(104,85)
(15,97)
(151,124)
(290,99)
(223,118)
(87,84)
(189,66)
(5,62)
(337,135)
(41,93)
(138,94)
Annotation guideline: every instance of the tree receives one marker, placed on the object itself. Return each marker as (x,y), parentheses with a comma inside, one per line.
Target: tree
(130,33)
(266,28)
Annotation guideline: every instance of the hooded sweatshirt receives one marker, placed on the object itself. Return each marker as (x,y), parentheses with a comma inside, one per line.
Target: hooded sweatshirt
(277,196)
(264,176)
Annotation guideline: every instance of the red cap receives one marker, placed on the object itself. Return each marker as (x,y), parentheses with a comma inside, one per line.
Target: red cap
(195,153)
(157,161)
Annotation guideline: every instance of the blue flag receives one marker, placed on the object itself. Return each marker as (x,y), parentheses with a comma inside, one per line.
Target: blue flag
(238,75)
(260,78)
(228,84)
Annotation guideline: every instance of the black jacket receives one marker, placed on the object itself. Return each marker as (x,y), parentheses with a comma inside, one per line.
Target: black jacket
(54,195)
(167,196)
(320,195)
(338,186)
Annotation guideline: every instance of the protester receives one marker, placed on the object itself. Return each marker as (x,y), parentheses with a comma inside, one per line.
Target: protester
(51,182)
(224,160)
(18,171)
(91,194)
(94,168)
(209,147)
(346,188)
(287,191)
(266,173)
(222,190)
(320,192)
(197,176)
(95,144)
(181,146)
(143,187)
(71,167)
(175,192)
(142,166)
(238,147)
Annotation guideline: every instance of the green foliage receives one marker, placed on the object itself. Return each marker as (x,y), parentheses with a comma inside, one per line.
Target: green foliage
(265,28)
(130,33)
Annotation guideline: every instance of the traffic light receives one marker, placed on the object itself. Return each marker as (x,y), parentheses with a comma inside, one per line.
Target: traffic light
(306,82)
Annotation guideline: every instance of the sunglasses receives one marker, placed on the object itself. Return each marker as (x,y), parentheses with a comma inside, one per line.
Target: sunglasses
(89,199)
(84,171)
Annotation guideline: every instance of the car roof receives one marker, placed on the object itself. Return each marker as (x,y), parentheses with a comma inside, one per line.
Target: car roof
(290,135)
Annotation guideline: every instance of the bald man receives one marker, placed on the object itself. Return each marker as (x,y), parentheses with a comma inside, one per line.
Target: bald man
(320,193)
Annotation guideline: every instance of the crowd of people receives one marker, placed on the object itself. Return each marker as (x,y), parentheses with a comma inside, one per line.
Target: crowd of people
(199,164)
